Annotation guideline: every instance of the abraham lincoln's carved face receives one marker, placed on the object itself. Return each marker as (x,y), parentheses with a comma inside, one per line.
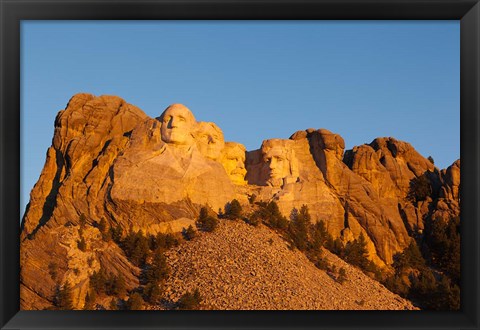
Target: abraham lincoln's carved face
(279,161)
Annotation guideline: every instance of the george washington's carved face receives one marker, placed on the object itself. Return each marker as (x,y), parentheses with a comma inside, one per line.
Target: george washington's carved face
(234,162)
(209,139)
(177,125)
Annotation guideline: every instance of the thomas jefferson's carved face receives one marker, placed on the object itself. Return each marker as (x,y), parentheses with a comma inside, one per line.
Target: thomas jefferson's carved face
(177,124)
(210,140)
(234,162)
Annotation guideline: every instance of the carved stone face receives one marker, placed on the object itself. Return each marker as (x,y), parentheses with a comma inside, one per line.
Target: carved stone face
(177,125)
(234,162)
(210,140)
(279,161)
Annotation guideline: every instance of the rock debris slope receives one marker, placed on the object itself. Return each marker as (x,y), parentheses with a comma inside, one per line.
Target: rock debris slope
(251,268)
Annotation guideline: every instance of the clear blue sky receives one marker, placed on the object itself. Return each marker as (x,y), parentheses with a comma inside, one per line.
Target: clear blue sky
(255,79)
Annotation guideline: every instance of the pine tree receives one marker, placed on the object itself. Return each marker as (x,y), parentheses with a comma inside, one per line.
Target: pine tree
(190,300)
(135,302)
(233,210)
(342,276)
(119,286)
(299,228)
(116,233)
(443,239)
(356,252)
(189,233)
(81,244)
(274,217)
(319,235)
(423,287)
(98,281)
(90,300)
(203,213)
(335,246)
(82,221)
(53,270)
(205,221)
(128,244)
(396,284)
(420,189)
(113,305)
(102,225)
(153,293)
(104,230)
(414,256)
(411,257)
(197,296)
(64,299)
(136,247)
(158,270)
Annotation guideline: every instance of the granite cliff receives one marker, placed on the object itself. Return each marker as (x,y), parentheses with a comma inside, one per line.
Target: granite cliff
(110,162)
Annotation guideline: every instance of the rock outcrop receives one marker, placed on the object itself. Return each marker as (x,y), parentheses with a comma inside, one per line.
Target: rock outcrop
(110,161)
(89,135)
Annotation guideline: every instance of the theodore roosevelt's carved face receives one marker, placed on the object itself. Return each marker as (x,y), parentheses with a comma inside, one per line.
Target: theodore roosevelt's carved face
(177,125)
(209,139)
(279,161)
(234,162)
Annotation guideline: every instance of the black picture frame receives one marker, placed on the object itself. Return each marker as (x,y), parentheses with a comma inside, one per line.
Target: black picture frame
(13,11)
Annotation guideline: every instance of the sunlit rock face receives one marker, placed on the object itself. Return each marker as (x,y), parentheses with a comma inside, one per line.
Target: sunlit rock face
(448,203)
(233,160)
(177,125)
(284,171)
(275,164)
(364,210)
(89,135)
(176,172)
(280,165)
(109,160)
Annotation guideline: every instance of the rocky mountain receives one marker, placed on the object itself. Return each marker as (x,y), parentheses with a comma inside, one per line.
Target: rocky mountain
(110,163)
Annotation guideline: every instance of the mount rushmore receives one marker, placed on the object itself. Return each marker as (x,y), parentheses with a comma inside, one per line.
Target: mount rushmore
(109,160)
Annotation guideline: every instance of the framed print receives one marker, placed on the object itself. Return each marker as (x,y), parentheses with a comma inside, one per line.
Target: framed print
(159,168)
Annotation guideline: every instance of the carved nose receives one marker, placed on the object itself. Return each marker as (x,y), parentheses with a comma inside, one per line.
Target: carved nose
(272,163)
(173,123)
